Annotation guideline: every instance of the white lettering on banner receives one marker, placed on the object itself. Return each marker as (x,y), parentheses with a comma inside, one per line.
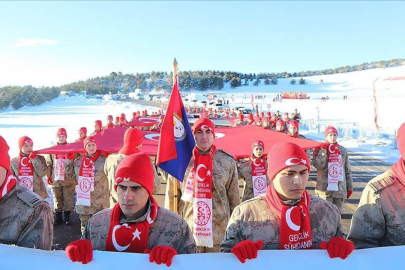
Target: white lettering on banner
(370,259)
(299,245)
(298,236)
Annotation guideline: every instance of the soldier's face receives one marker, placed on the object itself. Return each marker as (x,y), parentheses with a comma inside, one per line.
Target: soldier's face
(81,135)
(27,148)
(280,127)
(331,137)
(132,198)
(91,148)
(290,183)
(204,138)
(3,173)
(258,151)
(293,129)
(61,139)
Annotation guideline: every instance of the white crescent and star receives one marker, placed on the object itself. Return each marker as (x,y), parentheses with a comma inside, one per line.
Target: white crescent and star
(330,148)
(290,223)
(196,173)
(136,234)
(85,164)
(295,161)
(22,161)
(254,161)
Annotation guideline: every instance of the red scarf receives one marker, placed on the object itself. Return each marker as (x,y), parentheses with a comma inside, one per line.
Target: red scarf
(335,166)
(259,182)
(295,225)
(86,179)
(132,237)
(111,125)
(8,184)
(399,169)
(26,172)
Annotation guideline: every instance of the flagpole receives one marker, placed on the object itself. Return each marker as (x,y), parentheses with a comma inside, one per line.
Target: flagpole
(176,183)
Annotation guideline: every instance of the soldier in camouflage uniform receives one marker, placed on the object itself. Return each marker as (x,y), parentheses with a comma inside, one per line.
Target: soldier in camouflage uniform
(99,198)
(225,191)
(270,220)
(152,228)
(379,219)
(320,162)
(245,171)
(38,163)
(26,219)
(132,144)
(62,190)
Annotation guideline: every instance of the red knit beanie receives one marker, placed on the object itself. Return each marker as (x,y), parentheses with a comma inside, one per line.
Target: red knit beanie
(258,143)
(204,123)
(61,131)
(294,123)
(109,117)
(132,138)
(331,129)
(281,122)
(4,157)
(98,123)
(83,129)
(401,140)
(89,139)
(283,155)
(23,141)
(136,168)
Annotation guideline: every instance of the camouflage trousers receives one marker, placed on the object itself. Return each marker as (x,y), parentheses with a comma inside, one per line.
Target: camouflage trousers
(63,198)
(336,201)
(83,221)
(209,250)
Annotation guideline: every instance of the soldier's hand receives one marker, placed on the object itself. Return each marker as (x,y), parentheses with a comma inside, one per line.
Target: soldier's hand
(49,180)
(70,155)
(33,155)
(162,254)
(80,251)
(247,249)
(338,247)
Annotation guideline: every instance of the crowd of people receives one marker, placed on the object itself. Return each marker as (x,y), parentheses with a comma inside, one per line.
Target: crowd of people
(205,212)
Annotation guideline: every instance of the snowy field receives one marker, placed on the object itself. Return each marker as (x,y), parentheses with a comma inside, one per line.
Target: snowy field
(351,116)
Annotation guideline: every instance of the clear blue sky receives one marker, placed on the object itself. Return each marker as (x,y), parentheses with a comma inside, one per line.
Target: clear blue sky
(53,43)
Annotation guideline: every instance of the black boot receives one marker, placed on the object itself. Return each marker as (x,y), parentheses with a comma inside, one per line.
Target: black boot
(57,218)
(67,217)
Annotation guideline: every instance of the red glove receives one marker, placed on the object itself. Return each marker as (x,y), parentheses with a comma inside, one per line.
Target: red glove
(338,247)
(247,249)
(162,254)
(33,155)
(49,180)
(349,193)
(70,155)
(80,251)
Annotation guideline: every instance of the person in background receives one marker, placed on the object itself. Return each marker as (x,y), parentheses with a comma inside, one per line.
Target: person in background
(110,123)
(82,134)
(334,178)
(29,167)
(379,220)
(133,139)
(26,219)
(211,181)
(98,128)
(253,172)
(293,129)
(92,189)
(62,186)
(280,126)
(153,229)
(296,116)
(286,217)
(117,121)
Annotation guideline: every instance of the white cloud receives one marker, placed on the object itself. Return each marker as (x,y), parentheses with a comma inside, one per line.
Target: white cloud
(22,43)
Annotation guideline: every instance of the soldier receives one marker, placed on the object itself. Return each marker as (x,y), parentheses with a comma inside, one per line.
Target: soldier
(266,123)
(334,178)
(293,128)
(29,168)
(98,127)
(62,186)
(26,219)
(212,175)
(110,123)
(82,134)
(153,229)
(280,126)
(92,191)
(240,121)
(379,219)
(132,144)
(287,216)
(253,172)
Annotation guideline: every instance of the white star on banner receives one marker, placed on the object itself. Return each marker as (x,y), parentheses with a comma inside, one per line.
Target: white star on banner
(208,172)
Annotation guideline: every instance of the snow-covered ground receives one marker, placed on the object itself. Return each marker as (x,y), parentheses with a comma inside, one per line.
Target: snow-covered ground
(356,113)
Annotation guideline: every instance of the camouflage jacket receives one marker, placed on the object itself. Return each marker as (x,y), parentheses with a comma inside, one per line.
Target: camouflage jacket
(245,174)
(225,194)
(99,198)
(168,229)
(110,168)
(320,162)
(69,181)
(26,219)
(380,217)
(40,170)
(255,220)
